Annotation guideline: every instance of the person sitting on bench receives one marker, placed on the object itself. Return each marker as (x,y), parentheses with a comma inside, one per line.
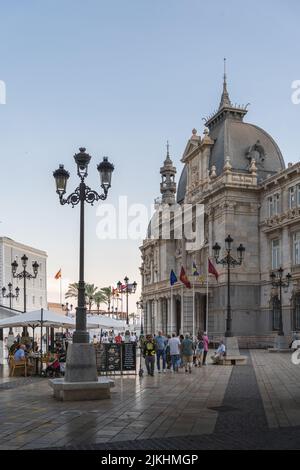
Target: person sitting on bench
(219,353)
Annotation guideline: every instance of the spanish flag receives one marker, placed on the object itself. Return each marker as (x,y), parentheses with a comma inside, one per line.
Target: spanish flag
(58,274)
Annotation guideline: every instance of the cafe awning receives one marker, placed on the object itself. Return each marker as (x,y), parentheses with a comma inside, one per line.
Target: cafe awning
(36,318)
(101,321)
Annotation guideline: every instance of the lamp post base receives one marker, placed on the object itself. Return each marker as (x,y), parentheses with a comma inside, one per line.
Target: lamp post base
(81,381)
(81,363)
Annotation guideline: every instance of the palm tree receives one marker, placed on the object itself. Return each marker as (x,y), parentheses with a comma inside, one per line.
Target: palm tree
(72,291)
(99,298)
(107,291)
(90,291)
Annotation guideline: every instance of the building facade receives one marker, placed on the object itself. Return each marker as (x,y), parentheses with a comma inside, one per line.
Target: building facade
(36,289)
(236,172)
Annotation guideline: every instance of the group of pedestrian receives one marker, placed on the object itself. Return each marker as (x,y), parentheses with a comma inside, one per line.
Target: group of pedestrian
(174,352)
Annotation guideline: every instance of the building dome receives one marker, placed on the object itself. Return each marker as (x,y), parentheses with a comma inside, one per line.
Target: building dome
(240,141)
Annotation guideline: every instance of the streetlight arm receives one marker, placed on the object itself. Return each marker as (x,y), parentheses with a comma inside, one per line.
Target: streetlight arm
(24,274)
(90,196)
(229,260)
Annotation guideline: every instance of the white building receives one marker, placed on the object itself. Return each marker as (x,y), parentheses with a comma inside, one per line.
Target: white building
(36,289)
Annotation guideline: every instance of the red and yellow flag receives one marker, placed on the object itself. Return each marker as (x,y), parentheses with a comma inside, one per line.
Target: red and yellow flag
(184,279)
(58,274)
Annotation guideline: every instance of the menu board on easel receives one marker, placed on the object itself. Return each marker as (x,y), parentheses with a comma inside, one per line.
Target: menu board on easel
(101,357)
(129,357)
(113,357)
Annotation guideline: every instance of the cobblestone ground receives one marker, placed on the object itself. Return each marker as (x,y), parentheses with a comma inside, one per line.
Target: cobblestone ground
(256,406)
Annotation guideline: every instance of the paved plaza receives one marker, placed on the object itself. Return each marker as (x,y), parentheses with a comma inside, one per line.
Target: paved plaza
(216,407)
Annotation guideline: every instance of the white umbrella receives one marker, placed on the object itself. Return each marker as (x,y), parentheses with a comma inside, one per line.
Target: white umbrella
(104,322)
(36,318)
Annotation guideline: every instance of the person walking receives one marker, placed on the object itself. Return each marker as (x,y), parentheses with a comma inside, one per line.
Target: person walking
(187,353)
(174,346)
(168,355)
(199,350)
(161,344)
(206,342)
(149,354)
(181,338)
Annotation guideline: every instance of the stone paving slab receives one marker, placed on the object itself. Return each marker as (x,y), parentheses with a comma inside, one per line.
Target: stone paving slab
(256,406)
(139,409)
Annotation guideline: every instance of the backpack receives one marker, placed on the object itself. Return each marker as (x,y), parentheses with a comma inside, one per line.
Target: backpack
(200,344)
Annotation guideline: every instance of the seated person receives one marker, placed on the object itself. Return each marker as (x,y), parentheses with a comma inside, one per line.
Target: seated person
(61,354)
(219,353)
(19,355)
(53,366)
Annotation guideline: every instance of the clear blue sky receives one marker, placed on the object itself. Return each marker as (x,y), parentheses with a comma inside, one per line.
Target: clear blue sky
(122,77)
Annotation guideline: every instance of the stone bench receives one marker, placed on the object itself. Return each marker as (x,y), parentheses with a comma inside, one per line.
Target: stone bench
(232,360)
(73,391)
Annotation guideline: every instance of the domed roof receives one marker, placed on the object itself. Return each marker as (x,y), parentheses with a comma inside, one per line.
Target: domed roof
(240,141)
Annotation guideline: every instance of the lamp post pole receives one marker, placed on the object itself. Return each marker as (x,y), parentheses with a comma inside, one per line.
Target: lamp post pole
(278,281)
(82,194)
(229,261)
(139,305)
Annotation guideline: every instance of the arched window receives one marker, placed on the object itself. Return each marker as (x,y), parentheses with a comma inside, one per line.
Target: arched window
(275,312)
(296,312)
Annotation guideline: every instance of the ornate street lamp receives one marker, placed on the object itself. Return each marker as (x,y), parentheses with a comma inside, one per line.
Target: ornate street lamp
(128,289)
(24,274)
(10,294)
(81,195)
(277,280)
(229,261)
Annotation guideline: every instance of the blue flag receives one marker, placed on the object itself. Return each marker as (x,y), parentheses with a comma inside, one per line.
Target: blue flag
(195,270)
(173,278)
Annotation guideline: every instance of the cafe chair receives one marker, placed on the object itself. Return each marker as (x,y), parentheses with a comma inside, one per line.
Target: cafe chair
(13,365)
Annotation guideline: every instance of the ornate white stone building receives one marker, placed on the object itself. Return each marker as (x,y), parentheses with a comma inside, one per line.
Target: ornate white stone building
(36,289)
(237,171)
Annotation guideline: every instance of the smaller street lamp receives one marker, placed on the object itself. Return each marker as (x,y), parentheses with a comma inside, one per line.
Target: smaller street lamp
(278,280)
(229,261)
(10,294)
(24,274)
(128,289)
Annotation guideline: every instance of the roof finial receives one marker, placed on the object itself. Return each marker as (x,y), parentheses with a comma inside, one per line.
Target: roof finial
(168,147)
(225,100)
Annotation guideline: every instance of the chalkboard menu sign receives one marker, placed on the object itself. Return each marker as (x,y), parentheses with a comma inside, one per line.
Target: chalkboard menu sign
(113,357)
(129,356)
(101,357)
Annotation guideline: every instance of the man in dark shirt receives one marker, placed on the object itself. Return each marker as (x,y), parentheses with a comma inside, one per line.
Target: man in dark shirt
(149,354)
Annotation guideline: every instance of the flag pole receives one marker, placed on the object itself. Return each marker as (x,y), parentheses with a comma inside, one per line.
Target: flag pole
(171,305)
(193,308)
(207,295)
(60,289)
(182,310)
